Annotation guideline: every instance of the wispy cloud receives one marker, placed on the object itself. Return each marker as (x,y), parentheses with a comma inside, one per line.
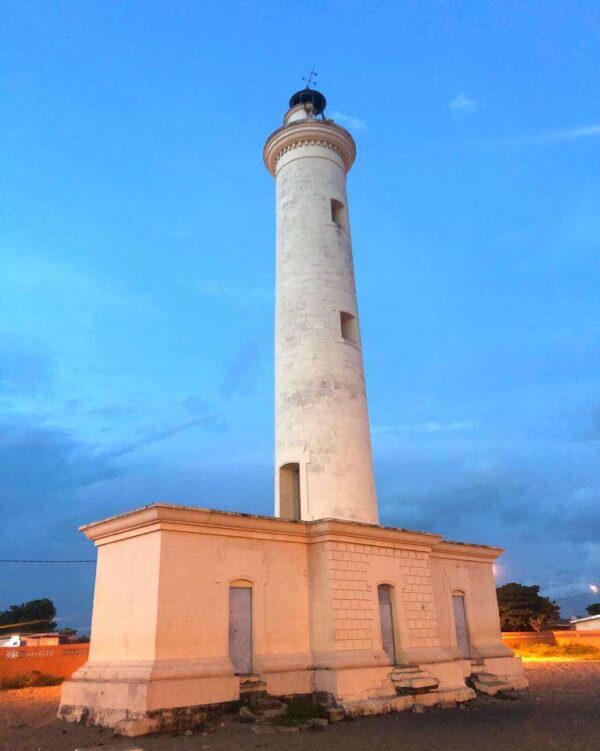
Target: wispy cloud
(215,289)
(556,136)
(211,288)
(350,120)
(42,465)
(237,374)
(39,279)
(426,427)
(462,103)
(211,421)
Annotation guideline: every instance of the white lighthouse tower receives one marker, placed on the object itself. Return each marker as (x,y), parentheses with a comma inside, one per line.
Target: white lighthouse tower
(323,458)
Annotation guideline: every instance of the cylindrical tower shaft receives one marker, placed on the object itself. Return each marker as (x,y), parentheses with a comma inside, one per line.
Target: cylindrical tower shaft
(323,459)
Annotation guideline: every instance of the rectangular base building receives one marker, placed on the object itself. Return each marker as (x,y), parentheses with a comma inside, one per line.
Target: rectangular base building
(194,606)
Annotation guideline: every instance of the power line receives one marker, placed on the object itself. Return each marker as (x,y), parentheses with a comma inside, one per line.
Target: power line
(87,616)
(27,623)
(17,560)
(576,597)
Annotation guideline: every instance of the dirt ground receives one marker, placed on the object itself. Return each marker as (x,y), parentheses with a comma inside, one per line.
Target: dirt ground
(560,713)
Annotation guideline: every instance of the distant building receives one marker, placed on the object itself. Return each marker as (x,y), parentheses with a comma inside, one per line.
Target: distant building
(590,623)
(50,639)
(10,640)
(562,624)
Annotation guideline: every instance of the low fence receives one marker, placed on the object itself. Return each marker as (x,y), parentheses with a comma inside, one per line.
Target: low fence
(561,637)
(587,638)
(511,638)
(61,660)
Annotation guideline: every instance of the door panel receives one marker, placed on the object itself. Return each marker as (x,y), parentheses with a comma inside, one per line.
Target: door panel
(460,623)
(240,629)
(387,622)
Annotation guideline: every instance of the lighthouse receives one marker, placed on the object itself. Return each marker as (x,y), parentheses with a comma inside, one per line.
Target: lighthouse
(196,608)
(323,457)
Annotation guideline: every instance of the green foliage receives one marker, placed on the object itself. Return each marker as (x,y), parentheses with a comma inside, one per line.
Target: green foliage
(40,611)
(35,679)
(524,609)
(583,651)
(593,609)
(301,709)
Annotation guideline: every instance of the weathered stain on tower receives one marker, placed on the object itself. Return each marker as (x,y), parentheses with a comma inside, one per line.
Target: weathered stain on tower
(323,458)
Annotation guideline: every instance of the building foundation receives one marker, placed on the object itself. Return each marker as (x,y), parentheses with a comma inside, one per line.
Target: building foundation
(160,653)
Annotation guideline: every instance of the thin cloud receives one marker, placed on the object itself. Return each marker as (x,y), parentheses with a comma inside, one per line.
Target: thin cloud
(41,466)
(462,103)
(350,120)
(569,134)
(215,289)
(38,279)
(556,136)
(427,427)
(210,420)
(210,288)
(237,375)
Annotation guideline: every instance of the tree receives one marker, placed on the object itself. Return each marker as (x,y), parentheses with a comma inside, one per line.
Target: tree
(541,622)
(593,609)
(35,615)
(522,608)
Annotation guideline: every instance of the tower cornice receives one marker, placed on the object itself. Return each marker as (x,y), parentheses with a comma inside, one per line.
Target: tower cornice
(313,132)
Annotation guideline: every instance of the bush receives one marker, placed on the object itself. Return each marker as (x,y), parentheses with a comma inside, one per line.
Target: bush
(35,679)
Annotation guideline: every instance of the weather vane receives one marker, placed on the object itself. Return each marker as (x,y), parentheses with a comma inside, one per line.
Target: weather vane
(312,77)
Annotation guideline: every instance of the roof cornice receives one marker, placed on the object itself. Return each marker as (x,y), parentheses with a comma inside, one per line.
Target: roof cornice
(175,518)
(305,133)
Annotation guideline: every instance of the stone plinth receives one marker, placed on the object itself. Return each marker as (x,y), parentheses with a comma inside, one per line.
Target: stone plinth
(160,650)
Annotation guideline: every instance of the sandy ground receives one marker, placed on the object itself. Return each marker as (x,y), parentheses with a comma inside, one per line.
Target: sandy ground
(560,713)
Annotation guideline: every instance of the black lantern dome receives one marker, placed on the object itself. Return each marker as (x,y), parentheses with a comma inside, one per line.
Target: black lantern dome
(309,96)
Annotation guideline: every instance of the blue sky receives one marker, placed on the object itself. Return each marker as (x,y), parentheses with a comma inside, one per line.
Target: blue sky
(137,267)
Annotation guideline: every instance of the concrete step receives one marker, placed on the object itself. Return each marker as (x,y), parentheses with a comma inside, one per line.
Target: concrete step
(413,680)
(407,670)
(268,708)
(485,677)
(249,678)
(251,686)
(489,684)
(385,704)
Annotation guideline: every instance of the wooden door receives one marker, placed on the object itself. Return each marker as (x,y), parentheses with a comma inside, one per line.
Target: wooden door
(386,617)
(240,629)
(460,623)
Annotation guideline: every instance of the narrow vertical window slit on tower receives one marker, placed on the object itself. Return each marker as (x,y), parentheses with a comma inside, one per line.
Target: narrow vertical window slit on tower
(349,326)
(338,213)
